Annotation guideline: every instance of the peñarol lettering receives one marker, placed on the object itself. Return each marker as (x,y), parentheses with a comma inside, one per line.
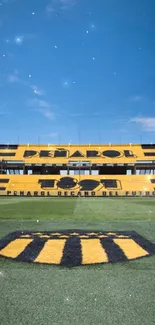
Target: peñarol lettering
(65,153)
(81,194)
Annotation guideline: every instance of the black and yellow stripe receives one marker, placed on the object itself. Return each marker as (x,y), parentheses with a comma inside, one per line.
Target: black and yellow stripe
(73,248)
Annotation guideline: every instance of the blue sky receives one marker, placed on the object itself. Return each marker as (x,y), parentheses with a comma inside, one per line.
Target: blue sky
(77,71)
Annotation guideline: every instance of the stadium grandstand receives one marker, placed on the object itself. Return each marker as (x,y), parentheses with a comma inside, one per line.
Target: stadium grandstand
(77,170)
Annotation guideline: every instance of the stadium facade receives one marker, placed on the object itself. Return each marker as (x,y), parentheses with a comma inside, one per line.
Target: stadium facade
(77,170)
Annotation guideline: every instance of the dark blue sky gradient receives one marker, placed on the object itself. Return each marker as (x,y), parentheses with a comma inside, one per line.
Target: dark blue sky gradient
(77,71)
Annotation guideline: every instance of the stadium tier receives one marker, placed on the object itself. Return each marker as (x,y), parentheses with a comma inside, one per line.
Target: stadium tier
(77,170)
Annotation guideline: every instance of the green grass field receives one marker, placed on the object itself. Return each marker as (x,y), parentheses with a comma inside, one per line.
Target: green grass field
(121,293)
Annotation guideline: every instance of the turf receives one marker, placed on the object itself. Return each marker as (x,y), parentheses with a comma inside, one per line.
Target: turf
(77,208)
(121,293)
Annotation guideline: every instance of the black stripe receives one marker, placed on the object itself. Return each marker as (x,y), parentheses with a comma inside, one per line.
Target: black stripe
(148,146)
(7,154)
(72,252)
(144,243)
(8,146)
(2,188)
(114,252)
(31,252)
(149,154)
(4,180)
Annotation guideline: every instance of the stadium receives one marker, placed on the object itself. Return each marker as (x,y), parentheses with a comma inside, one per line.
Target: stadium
(77,162)
(74,170)
(77,220)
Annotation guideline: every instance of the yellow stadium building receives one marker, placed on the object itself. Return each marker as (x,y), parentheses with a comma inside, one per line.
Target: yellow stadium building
(77,170)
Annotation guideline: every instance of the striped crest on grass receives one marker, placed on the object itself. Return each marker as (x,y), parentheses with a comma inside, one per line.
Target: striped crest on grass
(75,247)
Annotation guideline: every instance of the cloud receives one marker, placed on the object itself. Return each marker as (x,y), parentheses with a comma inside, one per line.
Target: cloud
(4,2)
(136,99)
(43,107)
(40,103)
(59,5)
(65,4)
(49,8)
(47,113)
(13,78)
(85,114)
(53,134)
(147,123)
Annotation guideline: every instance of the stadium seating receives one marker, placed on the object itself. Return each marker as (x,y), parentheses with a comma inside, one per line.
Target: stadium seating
(135,185)
(48,170)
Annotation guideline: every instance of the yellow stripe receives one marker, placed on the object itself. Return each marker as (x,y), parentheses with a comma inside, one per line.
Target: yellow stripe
(130,248)
(52,251)
(92,251)
(14,248)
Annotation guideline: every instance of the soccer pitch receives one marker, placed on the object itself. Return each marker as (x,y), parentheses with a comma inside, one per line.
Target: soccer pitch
(110,293)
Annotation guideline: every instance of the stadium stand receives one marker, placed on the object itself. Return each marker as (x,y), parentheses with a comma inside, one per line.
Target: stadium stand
(77,170)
